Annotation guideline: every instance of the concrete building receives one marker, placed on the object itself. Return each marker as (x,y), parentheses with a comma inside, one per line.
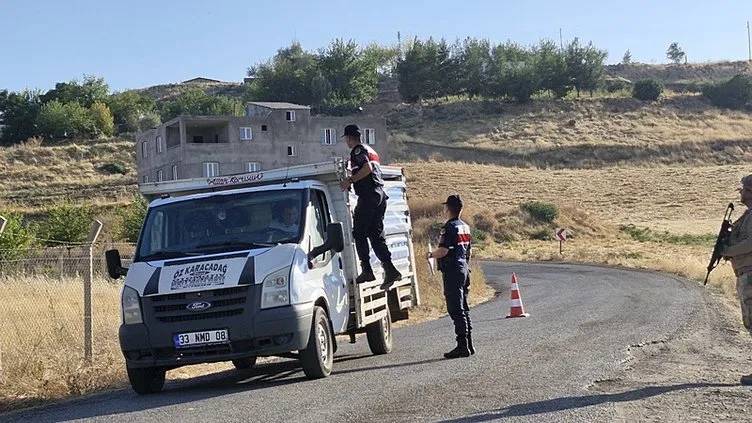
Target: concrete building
(270,135)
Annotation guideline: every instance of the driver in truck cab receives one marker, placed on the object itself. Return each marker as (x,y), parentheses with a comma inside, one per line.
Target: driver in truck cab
(286,217)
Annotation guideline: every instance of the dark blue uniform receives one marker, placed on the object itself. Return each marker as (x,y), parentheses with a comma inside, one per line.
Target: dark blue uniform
(368,218)
(455,236)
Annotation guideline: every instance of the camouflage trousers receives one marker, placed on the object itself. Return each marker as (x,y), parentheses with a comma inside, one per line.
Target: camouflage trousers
(744,292)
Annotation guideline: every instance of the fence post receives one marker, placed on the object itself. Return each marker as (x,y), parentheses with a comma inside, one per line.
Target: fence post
(96,227)
(3,222)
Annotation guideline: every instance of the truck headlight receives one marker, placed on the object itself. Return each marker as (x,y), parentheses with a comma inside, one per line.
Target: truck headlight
(275,290)
(131,306)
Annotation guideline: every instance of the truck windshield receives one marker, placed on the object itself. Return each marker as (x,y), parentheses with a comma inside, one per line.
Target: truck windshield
(221,223)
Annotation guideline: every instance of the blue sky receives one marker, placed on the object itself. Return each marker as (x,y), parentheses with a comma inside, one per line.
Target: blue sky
(136,43)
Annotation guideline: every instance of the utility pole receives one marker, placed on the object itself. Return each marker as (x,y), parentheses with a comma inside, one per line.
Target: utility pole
(561,41)
(749,43)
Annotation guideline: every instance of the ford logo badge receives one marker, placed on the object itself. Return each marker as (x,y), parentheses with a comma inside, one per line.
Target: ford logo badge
(198,306)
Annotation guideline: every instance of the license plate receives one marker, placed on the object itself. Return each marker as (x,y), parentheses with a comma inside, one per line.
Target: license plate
(207,337)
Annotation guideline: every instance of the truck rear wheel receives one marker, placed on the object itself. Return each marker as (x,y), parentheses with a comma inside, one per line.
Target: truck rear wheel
(379,335)
(317,358)
(147,380)
(244,363)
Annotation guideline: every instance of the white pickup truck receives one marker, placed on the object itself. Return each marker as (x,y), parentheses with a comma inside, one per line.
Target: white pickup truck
(237,267)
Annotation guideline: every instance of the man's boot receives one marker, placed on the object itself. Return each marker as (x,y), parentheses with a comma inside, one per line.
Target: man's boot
(746,380)
(470,344)
(366,275)
(459,351)
(391,275)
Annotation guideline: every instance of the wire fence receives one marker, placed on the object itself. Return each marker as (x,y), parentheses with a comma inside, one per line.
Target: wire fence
(44,325)
(69,260)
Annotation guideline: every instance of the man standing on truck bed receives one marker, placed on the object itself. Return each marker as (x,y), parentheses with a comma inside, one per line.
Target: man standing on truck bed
(453,254)
(368,219)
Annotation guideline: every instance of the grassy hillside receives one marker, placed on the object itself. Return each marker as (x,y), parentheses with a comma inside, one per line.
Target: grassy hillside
(585,133)
(677,75)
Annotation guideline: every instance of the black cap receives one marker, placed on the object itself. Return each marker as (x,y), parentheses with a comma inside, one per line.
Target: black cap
(454,201)
(352,130)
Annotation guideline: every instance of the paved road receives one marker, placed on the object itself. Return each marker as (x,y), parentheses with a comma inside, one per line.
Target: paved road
(583,318)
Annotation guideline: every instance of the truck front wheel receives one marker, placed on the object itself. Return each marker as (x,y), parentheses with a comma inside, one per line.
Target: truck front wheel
(148,380)
(379,335)
(317,358)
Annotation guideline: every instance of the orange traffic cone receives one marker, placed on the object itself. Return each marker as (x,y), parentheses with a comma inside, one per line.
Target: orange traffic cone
(516,310)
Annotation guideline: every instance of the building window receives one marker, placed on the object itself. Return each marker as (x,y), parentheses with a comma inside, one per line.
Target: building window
(263,128)
(211,169)
(160,175)
(290,115)
(246,134)
(159,144)
(328,136)
(252,167)
(174,172)
(144,149)
(146,179)
(368,136)
(291,150)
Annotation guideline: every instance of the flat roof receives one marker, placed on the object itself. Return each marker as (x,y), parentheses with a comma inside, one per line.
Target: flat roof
(279,105)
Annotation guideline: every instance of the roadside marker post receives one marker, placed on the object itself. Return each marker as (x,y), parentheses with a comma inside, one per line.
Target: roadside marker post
(561,235)
(96,228)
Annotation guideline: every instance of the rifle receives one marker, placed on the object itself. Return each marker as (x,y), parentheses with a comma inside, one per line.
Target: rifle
(721,241)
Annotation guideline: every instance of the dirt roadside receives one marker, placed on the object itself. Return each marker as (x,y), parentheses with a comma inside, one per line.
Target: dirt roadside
(693,376)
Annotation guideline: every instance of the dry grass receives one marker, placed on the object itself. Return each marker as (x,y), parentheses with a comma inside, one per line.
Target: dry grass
(551,124)
(593,203)
(41,339)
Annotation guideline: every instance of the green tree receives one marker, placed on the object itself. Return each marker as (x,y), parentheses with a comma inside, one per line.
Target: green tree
(675,53)
(417,71)
(65,222)
(647,90)
(627,58)
(195,101)
(551,67)
(352,76)
(512,73)
(16,239)
(382,58)
(58,120)
(474,64)
(18,112)
(128,108)
(734,93)
(102,119)
(286,77)
(584,66)
(85,93)
(132,218)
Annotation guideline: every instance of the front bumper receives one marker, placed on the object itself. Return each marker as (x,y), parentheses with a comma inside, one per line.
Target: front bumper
(252,331)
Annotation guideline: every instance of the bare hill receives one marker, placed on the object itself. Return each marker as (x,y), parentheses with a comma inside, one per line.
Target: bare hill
(682,74)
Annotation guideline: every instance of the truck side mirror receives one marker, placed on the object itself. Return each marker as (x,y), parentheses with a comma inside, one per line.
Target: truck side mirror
(335,241)
(114,265)
(335,237)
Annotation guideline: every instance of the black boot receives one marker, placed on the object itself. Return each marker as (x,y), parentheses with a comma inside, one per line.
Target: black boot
(366,275)
(459,351)
(470,344)
(391,275)
(746,380)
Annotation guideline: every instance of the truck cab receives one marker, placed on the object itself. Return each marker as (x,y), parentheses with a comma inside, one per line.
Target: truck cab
(259,264)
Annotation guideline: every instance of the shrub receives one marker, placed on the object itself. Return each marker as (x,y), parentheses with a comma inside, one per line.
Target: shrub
(542,234)
(647,90)
(734,93)
(614,85)
(132,218)
(102,118)
(478,235)
(541,211)
(65,222)
(483,222)
(113,169)
(16,239)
